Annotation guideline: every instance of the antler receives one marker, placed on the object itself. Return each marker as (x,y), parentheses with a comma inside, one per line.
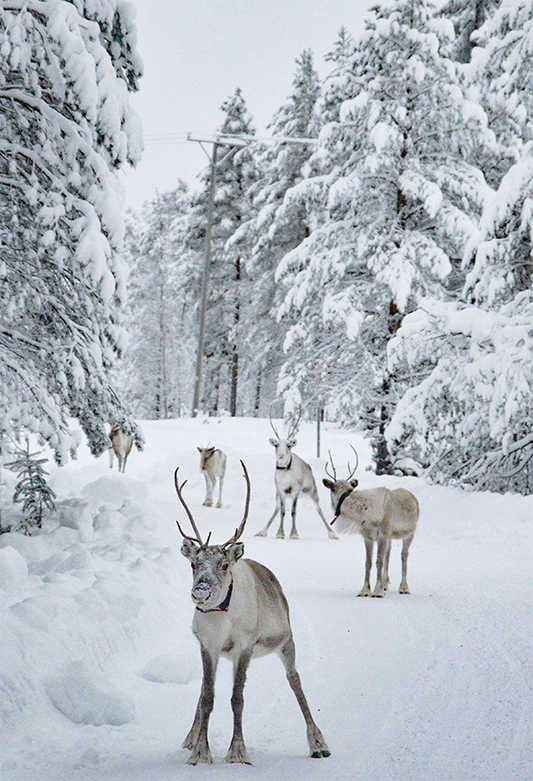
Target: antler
(334,475)
(271,424)
(294,426)
(352,472)
(189,514)
(240,529)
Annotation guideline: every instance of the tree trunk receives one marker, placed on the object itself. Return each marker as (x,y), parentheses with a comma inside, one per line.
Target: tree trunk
(235,355)
(258,394)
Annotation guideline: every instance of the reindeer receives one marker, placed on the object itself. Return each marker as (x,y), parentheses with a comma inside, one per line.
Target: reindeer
(212,465)
(241,613)
(121,445)
(379,514)
(292,477)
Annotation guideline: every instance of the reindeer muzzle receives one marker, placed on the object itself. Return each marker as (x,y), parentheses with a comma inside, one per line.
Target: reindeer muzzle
(201,593)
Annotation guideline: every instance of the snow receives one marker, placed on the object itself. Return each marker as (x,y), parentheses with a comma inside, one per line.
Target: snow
(101,674)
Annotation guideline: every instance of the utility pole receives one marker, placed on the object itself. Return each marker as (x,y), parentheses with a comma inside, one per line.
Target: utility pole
(217,140)
(205,284)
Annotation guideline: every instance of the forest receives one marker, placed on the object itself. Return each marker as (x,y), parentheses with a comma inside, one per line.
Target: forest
(379,272)
(382,274)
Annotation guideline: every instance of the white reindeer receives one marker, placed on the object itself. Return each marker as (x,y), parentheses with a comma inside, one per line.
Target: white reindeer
(212,465)
(379,514)
(241,613)
(121,445)
(293,476)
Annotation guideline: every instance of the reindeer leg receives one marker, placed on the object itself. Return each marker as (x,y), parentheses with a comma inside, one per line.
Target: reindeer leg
(383,543)
(237,750)
(366,591)
(294,532)
(386,580)
(317,745)
(192,735)
(280,534)
(200,749)
(264,530)
(404,588)
(331,533)
(208,501)
(120,459)
(111,454)
(220,484)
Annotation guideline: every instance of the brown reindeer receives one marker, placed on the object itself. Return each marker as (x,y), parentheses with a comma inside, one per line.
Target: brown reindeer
(241,613)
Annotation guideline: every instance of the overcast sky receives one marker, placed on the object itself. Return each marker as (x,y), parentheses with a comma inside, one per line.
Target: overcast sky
(196,52)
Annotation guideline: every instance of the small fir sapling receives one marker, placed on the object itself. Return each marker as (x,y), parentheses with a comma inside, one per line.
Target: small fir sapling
(32,490)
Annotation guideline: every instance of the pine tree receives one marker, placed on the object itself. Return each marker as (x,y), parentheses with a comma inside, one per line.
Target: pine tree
(466,415)
(157,371)
(275,228)
(66,128)
(501,80)
(393,207)
(226,324)
(32,490)
(467,17)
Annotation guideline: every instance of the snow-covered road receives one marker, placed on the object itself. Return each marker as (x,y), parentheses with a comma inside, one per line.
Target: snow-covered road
(100,672)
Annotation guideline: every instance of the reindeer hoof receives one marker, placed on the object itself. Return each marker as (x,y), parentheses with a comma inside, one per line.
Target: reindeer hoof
(332,536)
(378,593)
(208,503)
(319,754)
(365,592)
(200,756)
(295,537)
(404,589)
(262,533)
(238,754)
(280,536)
(219,504)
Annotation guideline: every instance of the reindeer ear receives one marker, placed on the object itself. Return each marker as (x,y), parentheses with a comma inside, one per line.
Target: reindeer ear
(199,449)
(354,483)
(291,442)
(189,549)
(235,551)
(273,441)
(328,483)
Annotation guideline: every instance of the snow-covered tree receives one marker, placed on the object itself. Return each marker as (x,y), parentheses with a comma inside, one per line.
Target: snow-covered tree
(32,490)
(274,230)
(501,81)
(66,127)
(467,17)
(157,371)
(393,205)
(469,418)
(226,322)
(466,414)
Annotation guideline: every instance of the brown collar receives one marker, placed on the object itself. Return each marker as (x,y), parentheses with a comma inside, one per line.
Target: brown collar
(223,607)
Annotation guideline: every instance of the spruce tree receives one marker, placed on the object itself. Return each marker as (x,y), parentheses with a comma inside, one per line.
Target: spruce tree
(157,371)
(226,322)
(66,128)
(393,206)
(32,490)
(277,224)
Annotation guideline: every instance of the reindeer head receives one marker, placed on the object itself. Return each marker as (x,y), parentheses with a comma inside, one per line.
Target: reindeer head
(340,487)
(283,447)
(205,454)
(212,564)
